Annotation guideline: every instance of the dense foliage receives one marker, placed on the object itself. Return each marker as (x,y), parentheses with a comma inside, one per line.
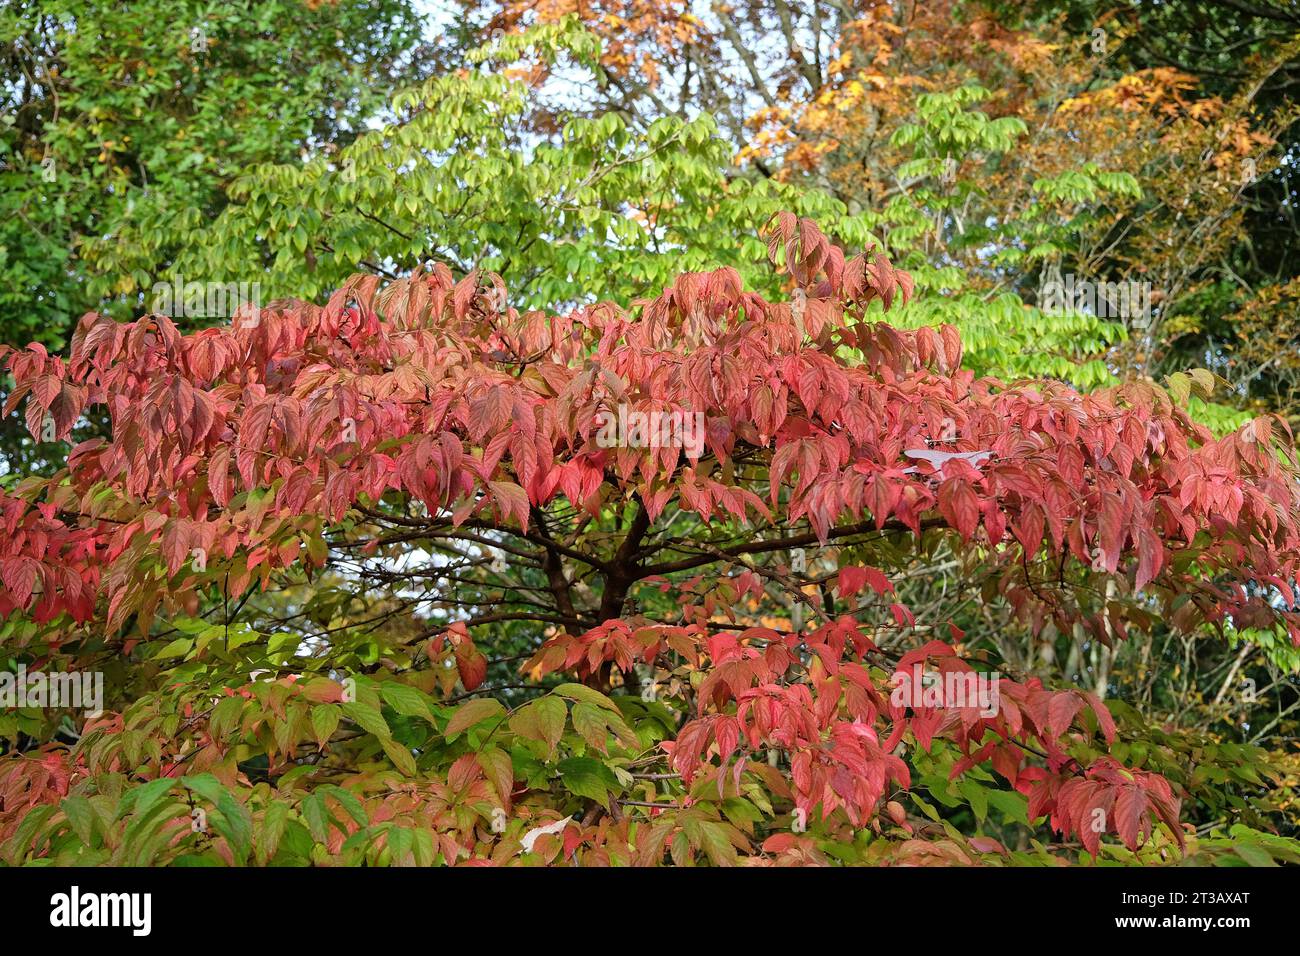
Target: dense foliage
(562,493)
(426,447)
(125,125)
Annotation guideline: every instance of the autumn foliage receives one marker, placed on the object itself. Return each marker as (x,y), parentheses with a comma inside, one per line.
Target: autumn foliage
(683,690)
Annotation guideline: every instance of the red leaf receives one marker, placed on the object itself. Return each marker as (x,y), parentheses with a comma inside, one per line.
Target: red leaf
(959,506)
(471,664)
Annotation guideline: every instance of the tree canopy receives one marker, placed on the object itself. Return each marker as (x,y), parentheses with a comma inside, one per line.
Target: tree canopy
(648,434)
(448,448)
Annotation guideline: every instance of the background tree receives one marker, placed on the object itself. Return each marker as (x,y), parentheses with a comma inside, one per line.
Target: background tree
(594,210)
(119,123)
(993,150)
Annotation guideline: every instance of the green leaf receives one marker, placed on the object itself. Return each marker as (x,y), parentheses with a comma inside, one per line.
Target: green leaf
(978,797)
(542,719)
(587,695)
(324,722)
(177,648)
(206,786)
(1254,855)
(368,718)
(17,846)
(81,815)
(926,808)
(590,723)
(499,770)
(407,701)
(587,777)
(1013,806)
(139,800)
(235,824)
(225,715)
(241,635)
(717,844)
(399,755)
(317,817)
(273,824)
(348,801)
(473,712)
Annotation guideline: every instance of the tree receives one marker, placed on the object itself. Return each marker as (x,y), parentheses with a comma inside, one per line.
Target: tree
(118,123)
(1069,166)
(662,59)
(123,120)
(593,210)
(473,484)
(586,210)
